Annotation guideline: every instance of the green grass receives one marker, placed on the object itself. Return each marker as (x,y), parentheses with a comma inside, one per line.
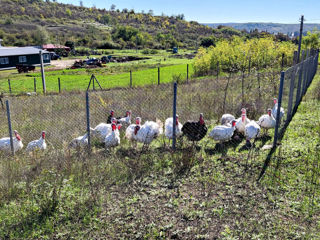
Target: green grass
(144,72)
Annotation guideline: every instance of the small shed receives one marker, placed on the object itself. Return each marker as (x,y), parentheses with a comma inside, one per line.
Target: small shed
(10,57)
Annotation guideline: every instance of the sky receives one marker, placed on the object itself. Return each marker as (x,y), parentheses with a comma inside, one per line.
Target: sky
(222,11)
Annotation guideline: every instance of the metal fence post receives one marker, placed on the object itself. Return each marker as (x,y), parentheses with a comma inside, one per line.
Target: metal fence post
(298,96)
(35,85)
(88,121)
(9,126)
(42,73)
(174,115)
(278,110)
(131,78)
(187,72)
(59,84)
(9,84)
(158,75)
(290,100)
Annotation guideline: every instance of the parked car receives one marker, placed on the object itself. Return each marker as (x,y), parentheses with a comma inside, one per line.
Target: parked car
(54,56)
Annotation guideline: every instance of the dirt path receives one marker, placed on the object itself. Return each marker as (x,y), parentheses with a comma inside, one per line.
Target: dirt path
(61,64)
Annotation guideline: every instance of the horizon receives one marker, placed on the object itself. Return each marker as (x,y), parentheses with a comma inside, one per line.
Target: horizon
(272,11)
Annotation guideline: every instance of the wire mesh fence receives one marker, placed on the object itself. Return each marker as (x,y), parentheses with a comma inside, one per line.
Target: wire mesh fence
(63,116)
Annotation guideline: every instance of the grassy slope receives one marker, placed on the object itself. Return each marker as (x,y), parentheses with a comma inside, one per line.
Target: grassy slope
(190,194)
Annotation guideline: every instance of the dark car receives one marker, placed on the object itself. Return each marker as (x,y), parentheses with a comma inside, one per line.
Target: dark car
(54,56)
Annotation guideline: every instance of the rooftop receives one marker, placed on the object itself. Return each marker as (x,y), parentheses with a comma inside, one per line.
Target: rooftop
(15,51)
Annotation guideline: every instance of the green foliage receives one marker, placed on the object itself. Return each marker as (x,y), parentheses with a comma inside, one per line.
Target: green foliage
(207,42)
(235,55)
(312,40)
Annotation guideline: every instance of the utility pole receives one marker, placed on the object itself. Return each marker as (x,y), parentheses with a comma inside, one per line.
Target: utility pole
(300,37)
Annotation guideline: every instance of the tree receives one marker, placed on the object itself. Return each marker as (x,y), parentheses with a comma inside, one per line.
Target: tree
(208,41)
(69,44)
(150,12)
(81,3)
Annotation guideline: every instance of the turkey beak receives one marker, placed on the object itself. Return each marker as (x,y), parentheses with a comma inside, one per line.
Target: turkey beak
(119,126)
(114,127)
(43,135)
(233,123)
(243,117)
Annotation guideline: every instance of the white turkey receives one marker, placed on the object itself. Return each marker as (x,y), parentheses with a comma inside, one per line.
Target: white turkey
(169,127)
(275,109)
(252,131)
(113,139)
(125,121)
(242,122)
(267,121)
(144,133)
(227,119)
(5,145)
(102,130)
(81,141)
(223,133)
(39,144)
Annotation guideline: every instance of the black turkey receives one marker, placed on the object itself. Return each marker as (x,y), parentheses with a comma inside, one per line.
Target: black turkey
(195,131)
(109,120)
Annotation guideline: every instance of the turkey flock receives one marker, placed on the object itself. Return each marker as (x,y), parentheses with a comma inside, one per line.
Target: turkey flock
(109,133)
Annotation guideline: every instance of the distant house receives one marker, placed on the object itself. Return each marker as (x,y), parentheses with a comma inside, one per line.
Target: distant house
(55,48)
(10,57)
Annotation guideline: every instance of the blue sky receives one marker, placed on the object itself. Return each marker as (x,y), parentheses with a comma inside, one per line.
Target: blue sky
(211,11)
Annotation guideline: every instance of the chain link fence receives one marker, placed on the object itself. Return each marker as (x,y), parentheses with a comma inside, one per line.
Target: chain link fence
(63,116)
(294,83)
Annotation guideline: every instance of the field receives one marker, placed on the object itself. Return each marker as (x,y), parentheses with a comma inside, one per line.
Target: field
(144,72)
(202,193)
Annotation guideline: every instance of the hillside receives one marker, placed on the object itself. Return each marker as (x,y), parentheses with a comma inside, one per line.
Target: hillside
(34,22)
(269,27)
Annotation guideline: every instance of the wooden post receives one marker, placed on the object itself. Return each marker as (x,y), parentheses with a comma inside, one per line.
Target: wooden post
(249,67)
(158,75)
(59,84)
(42,73)
(300,38)
(9,83)
(93,83)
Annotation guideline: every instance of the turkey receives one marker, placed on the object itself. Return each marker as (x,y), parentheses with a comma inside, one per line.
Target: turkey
(252,131)
(39,144)
(195,131)
(275,109)
(5,145)
(133,129)
(109,120)
(144,133)
(113,139)
(267,121)
(149,131)
(242,122)
(169,127)
(102,130)
(223,133)
(226,119)
(125,121)
(81,141)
